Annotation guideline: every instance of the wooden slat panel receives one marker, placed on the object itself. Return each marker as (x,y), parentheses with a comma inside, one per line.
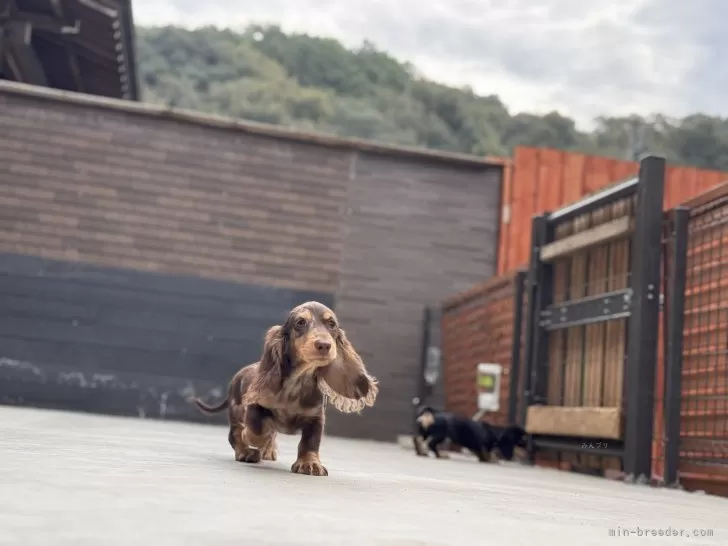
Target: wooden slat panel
(601,233)
(572,421)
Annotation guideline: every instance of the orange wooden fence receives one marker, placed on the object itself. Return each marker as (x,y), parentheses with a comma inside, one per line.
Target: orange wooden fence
(543,179)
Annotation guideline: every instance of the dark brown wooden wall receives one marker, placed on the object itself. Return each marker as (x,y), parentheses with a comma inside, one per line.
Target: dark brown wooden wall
(415,232)
(113,188)
(385,233)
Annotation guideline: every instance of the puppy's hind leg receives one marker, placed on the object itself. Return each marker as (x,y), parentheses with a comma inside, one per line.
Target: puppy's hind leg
(258,436)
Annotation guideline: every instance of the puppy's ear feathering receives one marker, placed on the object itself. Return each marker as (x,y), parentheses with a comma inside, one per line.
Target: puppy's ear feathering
(346,382)
(274,363)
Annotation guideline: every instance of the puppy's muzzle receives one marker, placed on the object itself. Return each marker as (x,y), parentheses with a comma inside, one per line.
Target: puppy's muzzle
(323,348)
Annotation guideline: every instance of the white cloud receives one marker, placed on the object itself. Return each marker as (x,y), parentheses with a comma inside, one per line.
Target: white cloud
(583,59)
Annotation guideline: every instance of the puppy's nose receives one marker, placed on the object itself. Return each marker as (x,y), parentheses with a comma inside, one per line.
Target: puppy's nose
(322,347)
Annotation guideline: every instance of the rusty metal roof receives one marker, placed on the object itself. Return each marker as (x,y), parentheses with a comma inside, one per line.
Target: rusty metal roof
(74,45)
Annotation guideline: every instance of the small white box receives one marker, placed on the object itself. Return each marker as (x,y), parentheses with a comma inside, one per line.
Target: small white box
(488,386)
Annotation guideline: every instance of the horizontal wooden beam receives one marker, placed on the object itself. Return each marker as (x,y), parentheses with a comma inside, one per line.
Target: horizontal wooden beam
(603,233)
(580,422)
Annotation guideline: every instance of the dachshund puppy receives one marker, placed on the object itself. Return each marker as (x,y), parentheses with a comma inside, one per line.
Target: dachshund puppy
(440,426)
(306,362)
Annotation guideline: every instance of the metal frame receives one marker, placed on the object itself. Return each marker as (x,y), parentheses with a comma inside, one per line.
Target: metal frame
(642,310)
(430,340)
(589,310)
(539,290)
(674,353)
(515,373)
(643,327)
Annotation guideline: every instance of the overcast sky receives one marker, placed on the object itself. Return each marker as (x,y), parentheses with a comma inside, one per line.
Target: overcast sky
(581,58)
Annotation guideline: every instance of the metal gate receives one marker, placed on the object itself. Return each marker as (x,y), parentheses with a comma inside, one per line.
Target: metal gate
(592,323)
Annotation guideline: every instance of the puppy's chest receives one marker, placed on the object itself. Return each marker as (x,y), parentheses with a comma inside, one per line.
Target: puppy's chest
(291,421)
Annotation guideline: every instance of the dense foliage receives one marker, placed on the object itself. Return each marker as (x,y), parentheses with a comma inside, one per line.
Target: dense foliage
(263,74)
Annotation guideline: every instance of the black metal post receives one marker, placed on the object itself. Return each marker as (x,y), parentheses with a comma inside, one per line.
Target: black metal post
(540,370)
(533,314)
(515,375)
(674,354)
(644,321)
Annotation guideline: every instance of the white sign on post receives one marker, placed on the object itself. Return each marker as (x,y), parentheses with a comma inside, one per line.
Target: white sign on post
(489,379)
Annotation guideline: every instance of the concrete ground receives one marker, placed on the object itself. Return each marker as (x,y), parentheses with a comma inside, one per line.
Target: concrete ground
(83,480)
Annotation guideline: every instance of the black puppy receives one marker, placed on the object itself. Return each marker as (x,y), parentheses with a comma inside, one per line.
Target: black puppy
(440,426)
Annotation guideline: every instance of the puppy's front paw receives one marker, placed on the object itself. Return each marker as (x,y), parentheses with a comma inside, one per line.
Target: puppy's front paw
(247,455)
(269,452)
(309,465)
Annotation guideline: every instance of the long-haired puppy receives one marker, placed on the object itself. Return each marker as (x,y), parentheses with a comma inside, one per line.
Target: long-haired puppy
(306,362)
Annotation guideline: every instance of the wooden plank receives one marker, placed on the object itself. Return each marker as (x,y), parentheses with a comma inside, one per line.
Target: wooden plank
(597,174)
(574,421)
(527,163)
(557,339)
(506,220)
(594,353)
(603,233)
(573,181)
(575,336)
(550,179)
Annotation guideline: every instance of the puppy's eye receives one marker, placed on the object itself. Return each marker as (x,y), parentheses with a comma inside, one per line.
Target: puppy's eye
(332,324)
(301,323)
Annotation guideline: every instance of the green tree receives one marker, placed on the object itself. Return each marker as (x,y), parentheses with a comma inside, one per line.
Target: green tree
(266,75)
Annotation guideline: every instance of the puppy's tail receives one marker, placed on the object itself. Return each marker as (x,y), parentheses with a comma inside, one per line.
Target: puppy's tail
(212,409)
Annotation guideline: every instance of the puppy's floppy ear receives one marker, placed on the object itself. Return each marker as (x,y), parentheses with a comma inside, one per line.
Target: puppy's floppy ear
(346,382)
(275,363)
